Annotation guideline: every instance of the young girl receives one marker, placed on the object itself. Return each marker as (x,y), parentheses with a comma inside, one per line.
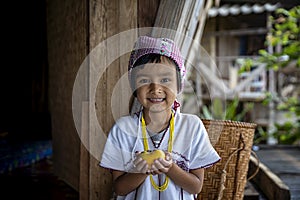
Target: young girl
(156,73)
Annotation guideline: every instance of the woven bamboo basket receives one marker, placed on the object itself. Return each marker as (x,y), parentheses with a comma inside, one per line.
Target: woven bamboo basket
(233,141)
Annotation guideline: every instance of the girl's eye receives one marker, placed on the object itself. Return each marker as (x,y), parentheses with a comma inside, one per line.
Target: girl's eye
(165,80)
(143,81)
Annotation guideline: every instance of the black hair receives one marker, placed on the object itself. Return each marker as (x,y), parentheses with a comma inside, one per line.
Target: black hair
(151,58)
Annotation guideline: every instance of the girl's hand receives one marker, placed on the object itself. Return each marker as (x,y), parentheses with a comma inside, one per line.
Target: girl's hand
(162,165)
(140,165)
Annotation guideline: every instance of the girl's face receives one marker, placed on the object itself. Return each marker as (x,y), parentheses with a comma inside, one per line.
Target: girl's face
(156,85)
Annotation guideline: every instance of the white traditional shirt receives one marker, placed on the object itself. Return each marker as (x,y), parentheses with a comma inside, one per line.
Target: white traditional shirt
(191,150)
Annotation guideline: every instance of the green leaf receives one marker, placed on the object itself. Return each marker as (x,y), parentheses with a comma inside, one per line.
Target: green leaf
(206,113)
(217,109)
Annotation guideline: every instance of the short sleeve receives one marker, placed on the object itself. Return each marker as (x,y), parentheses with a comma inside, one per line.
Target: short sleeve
(112,156)
(203,154)
(119,147)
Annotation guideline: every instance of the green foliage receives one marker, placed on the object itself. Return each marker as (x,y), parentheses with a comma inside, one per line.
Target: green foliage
(286,34)
(261,136)
(228,110)
(287,133)
(246,65)
(292,104)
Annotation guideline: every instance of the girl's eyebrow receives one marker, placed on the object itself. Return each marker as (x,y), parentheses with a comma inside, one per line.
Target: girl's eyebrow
(142,75)
(149,74)
(166,74)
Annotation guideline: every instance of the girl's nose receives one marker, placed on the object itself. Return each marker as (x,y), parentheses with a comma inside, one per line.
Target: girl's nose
(154,87)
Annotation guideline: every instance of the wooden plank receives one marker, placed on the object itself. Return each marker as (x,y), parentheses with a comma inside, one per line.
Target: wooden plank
(190,27)
(183,19)
(66,32)
(113,14)
(148,9)
(202,20)
(168,18)
(131,14)
(99,180)
(238,32)
(286,164)
(182,26)
(84,154)
(107,18)
(271,185)
(250,192)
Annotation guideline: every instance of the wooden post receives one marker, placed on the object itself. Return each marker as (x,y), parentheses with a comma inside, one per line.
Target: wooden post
(271,185)
(107,18)
(84,154)
(271,140)
(67,35)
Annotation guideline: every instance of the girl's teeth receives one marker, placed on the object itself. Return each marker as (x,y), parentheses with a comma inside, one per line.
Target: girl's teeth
(156,100)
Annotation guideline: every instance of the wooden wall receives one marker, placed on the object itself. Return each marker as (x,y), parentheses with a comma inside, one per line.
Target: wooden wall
(107,18)
(74,28)
(66,31)
(67,35)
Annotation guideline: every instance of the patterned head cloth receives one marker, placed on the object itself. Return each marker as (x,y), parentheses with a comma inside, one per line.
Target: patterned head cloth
(163,46)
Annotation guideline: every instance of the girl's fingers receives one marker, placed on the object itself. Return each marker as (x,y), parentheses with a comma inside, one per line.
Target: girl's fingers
(140,165)
(144,168)
(158,166)
(136,162)
(161,165)
(165,163)
(168,156)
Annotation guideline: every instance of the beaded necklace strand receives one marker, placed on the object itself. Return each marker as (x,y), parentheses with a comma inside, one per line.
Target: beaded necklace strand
(164,186)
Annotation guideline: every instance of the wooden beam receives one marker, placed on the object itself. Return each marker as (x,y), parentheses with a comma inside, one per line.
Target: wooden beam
(168,18)
(238,32)
(148,10)
(191,27)
(67,48)
(255,73)
(84,153)
(271,185)
(103,23)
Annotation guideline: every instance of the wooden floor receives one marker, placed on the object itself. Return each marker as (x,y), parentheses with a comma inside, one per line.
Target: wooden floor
(284,161)
(35,182)
(38,182)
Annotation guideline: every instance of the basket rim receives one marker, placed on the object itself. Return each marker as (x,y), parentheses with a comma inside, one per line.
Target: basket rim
(229,123)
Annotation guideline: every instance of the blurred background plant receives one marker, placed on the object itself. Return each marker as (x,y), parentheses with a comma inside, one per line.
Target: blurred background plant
(228,110)
(285,33)
(287,132)
(285,36)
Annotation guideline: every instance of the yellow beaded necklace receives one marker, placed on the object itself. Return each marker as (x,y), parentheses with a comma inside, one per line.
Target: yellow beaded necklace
(164,186)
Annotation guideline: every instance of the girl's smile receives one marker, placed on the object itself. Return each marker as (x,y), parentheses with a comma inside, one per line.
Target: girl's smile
(156,100)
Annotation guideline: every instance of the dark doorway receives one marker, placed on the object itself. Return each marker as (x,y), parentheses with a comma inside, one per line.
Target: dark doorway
(24,72)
